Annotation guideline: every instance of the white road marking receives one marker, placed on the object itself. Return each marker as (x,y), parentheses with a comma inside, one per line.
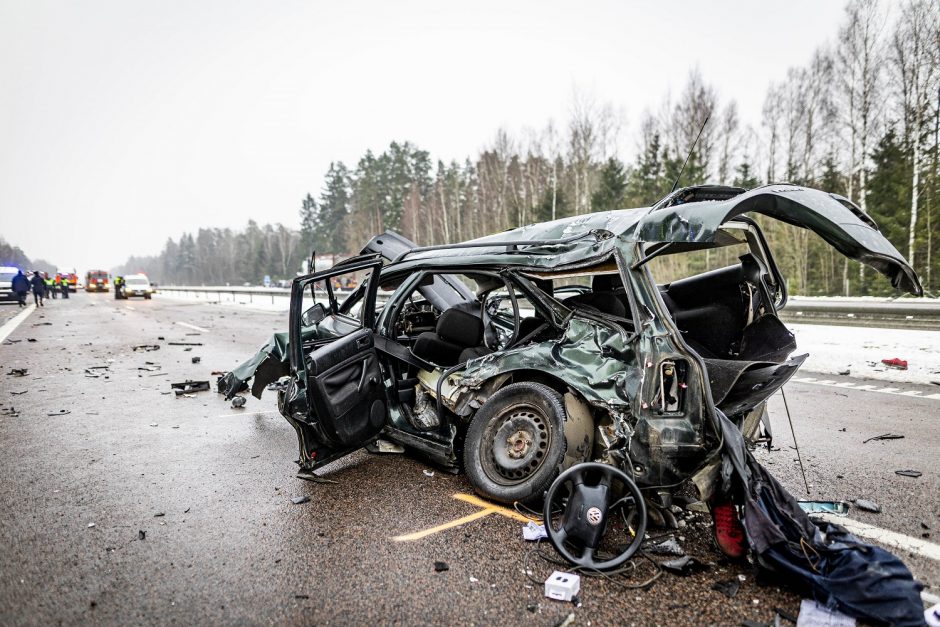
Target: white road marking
(848,385)
(131,307)
(248,413)
(929,599)
(883,536)
(192,326)
(11,325)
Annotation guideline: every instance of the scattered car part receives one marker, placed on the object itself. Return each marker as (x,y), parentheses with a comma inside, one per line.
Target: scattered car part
(562,586)
(196,360)
(188,387)
(298,500)
(589,496)
(839,508)
(728,588)
(238,401)
(868,506)
(914,474)
(884,436)
(18,372)
(896,363)
(147,347)
(184,343)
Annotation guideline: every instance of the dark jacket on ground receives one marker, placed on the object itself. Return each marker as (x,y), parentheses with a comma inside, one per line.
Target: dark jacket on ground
(39,286)
(20,284)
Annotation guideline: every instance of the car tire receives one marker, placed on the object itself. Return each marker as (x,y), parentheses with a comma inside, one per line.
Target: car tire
(515,444)
(146,296)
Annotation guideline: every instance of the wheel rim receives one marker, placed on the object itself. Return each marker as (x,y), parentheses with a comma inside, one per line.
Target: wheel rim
(515,444)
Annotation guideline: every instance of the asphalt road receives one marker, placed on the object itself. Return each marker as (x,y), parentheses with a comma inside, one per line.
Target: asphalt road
(139,507)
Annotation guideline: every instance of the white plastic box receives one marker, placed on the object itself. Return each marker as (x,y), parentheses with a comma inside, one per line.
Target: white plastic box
(562,586)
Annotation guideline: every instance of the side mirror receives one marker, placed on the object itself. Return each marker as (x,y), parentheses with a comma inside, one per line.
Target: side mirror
(313,315)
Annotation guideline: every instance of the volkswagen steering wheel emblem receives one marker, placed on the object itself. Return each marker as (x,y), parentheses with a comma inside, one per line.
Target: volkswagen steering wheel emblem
(594,516)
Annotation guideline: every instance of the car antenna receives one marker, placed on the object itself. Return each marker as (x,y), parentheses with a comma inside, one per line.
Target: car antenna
(689,156)
(799,458)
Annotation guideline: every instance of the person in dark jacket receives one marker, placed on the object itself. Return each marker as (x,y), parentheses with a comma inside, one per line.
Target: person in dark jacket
(39,288)
(20,285)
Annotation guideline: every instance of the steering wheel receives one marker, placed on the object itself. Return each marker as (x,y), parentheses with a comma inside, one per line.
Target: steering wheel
(589,495)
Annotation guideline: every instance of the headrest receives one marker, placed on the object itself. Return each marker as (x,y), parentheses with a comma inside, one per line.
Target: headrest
(606,282)
(460,327)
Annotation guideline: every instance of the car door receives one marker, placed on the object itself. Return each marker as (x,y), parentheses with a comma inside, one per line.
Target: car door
(336,399)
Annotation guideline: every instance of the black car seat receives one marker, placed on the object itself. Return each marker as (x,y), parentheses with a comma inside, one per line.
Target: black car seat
(601,297)
(457,337)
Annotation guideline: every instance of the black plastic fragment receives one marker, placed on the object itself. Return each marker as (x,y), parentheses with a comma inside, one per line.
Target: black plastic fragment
(728,588)
(440,567)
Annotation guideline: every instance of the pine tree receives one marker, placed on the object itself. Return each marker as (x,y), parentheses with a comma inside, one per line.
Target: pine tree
(612,187)
(744,176)
(334,211)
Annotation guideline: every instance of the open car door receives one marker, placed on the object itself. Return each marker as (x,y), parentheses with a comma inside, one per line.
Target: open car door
(690,216)
(336,399)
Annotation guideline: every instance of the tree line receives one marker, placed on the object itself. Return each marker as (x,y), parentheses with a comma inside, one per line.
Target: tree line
(861,119)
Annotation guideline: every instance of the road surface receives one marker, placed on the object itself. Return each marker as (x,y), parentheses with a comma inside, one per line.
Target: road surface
(129,505)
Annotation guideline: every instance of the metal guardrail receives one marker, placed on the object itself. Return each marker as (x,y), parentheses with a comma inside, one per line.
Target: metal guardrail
(907,313)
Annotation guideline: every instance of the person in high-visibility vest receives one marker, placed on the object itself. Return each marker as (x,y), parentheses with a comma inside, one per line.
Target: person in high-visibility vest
(118,287)
(52,285)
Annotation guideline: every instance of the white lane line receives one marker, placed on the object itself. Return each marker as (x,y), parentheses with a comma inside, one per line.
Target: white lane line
(11,325)
(192,326)
(867,388)
(248,413)
(883,536)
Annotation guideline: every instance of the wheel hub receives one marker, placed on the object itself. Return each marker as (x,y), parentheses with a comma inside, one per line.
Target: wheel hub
(518,445)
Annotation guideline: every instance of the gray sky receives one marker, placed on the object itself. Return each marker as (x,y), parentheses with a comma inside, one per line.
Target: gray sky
(125,122)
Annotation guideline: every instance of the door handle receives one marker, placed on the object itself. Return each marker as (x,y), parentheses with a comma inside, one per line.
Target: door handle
(362,342)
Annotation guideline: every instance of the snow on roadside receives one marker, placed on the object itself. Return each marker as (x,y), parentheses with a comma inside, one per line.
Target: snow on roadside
(860,350)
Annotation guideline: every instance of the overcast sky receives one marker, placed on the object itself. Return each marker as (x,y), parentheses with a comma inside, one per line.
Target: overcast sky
(123,123)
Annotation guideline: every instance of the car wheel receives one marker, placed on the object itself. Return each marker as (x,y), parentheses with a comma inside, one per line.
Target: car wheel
(146,296)
(516,443)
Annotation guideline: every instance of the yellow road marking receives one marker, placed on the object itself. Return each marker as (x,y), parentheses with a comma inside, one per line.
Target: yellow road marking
(485,510)
(505,511)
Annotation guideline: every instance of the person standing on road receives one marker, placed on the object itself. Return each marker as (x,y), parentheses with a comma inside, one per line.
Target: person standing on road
(52,285)
(20,285)
(39,288)
(65,287)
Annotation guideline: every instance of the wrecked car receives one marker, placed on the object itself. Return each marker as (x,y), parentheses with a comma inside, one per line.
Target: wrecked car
(515,356)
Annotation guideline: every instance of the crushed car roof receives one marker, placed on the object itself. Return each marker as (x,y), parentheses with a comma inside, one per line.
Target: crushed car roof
(577,240)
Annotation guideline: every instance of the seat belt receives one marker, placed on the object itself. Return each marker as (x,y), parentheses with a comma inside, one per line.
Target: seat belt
(402,353)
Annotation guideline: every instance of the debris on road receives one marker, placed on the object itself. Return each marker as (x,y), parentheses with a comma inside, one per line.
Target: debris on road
(90,525)
(839,508)
(159,514)
(184,343)
(141,535)
(845,372)
(239,402)
(18,372)
(309,475)
(884,436)
(298,500)
(812,613)
(683,566)
(914,474)
(440,567)
(669,546)
(383,446)
(932,616)
(147,347)
(18,393)
(196,359)
(868,506)
(533,532)
(894,362)
(728,588)
(61,412)
(428,473)
(189,386)
(562,586)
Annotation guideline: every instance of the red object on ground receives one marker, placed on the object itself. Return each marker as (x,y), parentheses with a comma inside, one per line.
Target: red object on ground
(729,533)
(894,362)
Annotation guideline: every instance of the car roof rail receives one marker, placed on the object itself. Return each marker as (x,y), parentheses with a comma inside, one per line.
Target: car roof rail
(511,246)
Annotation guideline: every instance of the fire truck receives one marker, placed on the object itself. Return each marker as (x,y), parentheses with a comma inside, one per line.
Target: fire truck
(97,281)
